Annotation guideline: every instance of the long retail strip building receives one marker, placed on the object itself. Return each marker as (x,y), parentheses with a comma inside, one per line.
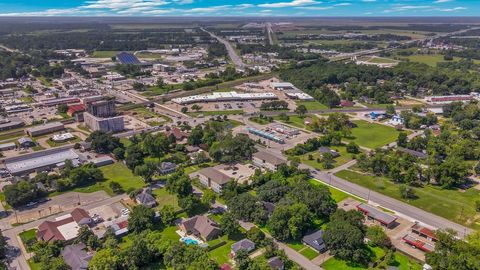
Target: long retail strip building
(48,160)
(225,96)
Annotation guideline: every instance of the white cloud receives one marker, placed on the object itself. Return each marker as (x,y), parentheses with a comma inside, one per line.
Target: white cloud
(294,3)
(442,1)
(452,9)
(183,2)
(122,4)
(369,1)
(316,8)
(342,4)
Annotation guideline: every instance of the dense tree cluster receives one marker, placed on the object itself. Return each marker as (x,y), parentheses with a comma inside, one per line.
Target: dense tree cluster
(18,65)
(104,143)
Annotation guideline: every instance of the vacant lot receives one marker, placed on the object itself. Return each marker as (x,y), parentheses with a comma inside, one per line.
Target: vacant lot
(312,105)
(372,135)
(454,205)
(104,54)
(163,198)
(118,172)
(315,157)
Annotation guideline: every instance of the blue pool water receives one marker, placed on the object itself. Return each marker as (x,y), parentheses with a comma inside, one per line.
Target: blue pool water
(189,241)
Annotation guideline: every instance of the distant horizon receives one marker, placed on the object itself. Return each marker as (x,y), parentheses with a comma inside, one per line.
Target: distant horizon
(241,8)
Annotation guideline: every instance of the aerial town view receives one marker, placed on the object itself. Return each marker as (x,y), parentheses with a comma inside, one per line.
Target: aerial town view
(240,134)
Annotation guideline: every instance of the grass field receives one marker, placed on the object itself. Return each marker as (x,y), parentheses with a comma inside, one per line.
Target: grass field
(337,195)
(312,105)
(295,120)
(309,253)
(28,238)
(117,172)
(163,198)
(336,264)
(104,54)
(449,204)
(372,135)
(342,159)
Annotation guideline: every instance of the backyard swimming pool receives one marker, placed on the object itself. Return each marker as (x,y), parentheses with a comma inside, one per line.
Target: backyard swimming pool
(189,240)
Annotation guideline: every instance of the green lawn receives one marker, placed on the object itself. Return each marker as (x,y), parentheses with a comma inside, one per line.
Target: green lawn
(221,254)
(429,59)
(337,264)
(295,120)
(342,159)
(312,105)
(33,265)
(337,195)
(117,172)
(169,233)
(405,263)
(449,204)
(163,198)
(104,54)
(372,135)
(309,253)
(296,245)
(258,120)
(28,238)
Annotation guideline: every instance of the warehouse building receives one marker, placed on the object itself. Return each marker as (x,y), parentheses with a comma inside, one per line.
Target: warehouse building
(40,161)
(225,96)
(11,123)
(44,129)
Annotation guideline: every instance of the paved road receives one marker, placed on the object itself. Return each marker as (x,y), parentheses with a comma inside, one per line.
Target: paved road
(236,59)
(387,202)
(20,261)
(270,33)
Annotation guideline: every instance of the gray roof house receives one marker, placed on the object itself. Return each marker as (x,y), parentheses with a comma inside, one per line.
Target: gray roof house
(146,199)
(276,263)
(315,241)
(244,244)
(26,142)
(167,167)
(76,257)
(324,150)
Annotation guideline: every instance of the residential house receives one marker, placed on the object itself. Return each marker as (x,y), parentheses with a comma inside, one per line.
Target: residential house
(146,199)
(315,241)
(119,226)
(167,168)
(325,149)
(213,179)
(276,263)
(267,160)
(244,244)
(177,133)
(76,257)
(201,226)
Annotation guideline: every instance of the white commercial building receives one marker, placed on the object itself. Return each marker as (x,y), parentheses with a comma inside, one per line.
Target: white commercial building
(225,96)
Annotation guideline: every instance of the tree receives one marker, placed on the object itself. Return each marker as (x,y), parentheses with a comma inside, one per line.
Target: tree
(141,218)
(105,259)
(137,86)
(62,108)
(146,171)
(402,139)
(208,197)
(191,204)
(452,253)
(160,83)
(21,193)
(181,256)
(344,236)
(284,117)
(327,161)
(390,109)
(246,207)
(167,213)
(406,192)
(378,237)
(119,153)
(353,148)
(116,187)
(301,110)
(229,225)
(103,143)
(256,235)
(3,247)
(184,109)
(290,222)
(196,107)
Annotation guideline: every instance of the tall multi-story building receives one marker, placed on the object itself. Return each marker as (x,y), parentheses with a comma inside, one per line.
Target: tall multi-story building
(102,108)
(101,116)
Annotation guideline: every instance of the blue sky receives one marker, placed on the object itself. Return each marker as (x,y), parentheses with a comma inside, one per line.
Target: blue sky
(239,8)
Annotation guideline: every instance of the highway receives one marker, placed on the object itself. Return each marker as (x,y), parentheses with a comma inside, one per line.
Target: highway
(236,59)
(269,32)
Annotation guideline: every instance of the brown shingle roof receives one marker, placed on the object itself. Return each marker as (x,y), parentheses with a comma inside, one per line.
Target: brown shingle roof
(78,214)
(269,158)
(201,225)
(215,175)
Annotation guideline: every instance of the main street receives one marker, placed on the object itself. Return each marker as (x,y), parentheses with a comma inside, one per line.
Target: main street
(236,59)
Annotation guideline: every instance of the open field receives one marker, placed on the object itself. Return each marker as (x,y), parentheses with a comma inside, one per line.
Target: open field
(454,205)
(104,54)
(312,105)
(336,264)
(337,195)
(163,198)
(342,159)
(372,135)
